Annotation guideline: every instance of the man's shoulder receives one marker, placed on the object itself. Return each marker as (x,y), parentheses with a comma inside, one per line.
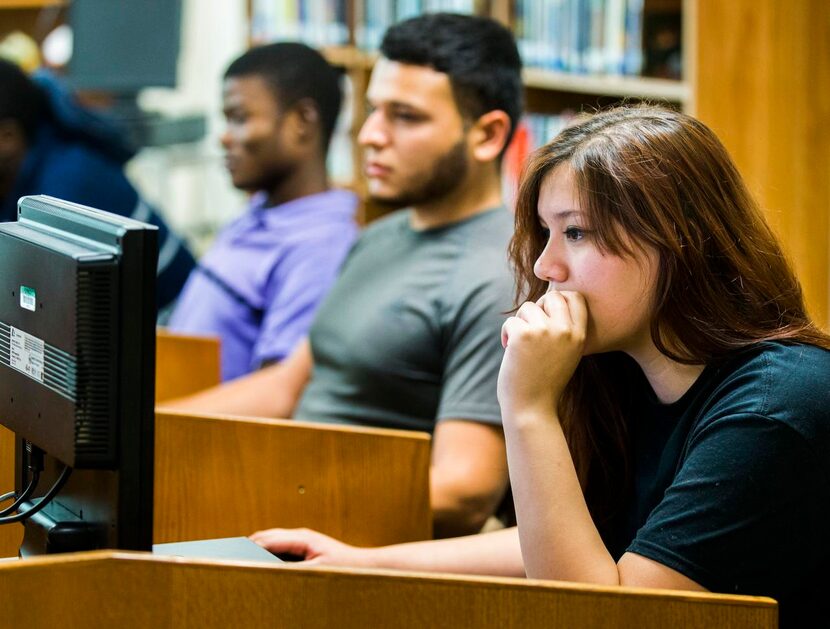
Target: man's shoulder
(492,228)
(485,239)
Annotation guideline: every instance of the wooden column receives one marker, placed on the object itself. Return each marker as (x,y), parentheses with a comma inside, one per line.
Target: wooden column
(762,82)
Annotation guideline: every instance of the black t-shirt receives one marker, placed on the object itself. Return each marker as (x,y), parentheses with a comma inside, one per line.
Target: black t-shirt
(732,481)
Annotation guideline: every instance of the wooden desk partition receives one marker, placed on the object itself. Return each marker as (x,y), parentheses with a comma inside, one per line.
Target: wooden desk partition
(134,590)
(185,364)
(223,477)
(10,534)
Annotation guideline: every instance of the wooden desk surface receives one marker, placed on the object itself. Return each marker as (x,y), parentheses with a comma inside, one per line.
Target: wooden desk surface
(129,590)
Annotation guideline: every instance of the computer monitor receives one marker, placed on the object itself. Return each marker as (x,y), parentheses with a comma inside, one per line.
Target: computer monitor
(124,46)
(77,366)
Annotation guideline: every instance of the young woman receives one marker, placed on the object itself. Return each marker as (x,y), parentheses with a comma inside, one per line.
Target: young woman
(665,396)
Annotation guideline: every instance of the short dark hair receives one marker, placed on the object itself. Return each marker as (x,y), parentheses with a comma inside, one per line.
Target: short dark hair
(295,71)
(478,54)
(21,99)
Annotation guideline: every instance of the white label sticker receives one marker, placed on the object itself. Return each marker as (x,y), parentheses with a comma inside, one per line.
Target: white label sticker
(27,354)
(28,298)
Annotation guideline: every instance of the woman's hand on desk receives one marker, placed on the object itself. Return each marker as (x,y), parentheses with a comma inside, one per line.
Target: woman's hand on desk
(311,547)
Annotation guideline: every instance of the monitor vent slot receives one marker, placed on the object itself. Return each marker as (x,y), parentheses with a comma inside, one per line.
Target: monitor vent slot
(96,345)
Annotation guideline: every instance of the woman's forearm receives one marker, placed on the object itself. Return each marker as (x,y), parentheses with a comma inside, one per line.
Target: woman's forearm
(496,554)
(558,537)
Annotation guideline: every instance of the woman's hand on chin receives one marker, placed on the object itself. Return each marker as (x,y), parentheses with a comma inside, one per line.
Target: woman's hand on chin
(543,344)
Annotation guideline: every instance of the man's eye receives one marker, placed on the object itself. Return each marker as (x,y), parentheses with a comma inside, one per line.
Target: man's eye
(574,234)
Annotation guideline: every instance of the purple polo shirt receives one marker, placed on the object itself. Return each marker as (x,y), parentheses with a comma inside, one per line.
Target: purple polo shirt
(259,285)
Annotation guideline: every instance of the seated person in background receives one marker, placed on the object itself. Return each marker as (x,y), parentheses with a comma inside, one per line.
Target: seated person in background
(408,336)
(260,284)
(665,396)
(49,144)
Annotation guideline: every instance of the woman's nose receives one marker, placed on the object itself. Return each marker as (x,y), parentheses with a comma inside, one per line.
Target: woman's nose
(549,268)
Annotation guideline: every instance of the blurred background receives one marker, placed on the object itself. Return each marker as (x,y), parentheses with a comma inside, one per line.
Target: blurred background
(756,71)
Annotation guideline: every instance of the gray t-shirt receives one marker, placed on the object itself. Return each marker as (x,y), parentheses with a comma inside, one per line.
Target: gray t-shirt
(410,333)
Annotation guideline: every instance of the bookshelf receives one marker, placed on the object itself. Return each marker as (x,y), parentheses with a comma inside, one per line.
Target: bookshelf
(619,87)
(756,71)
(548,91)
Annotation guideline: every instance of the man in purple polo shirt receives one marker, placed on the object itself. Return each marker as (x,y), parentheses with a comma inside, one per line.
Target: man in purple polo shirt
(260,284)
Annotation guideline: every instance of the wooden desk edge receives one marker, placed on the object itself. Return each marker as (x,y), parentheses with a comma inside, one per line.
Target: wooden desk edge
(106,556)
(342,428)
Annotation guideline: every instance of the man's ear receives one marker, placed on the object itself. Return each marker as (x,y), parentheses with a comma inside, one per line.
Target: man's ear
(488,135)
(305,121)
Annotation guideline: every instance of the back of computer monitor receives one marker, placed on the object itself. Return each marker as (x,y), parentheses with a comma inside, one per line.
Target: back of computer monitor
(77,364)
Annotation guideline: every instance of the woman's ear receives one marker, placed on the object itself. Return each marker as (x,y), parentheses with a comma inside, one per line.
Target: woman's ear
(489,135)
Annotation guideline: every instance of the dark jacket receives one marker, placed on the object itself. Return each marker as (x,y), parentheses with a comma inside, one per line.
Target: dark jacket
(78,155)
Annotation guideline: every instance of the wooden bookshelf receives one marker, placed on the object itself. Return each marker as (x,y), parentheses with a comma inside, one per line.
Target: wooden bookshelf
(614,86)
(756,71)
(349,58)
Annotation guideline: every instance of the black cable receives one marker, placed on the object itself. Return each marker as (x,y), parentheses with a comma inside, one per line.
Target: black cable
(34,463)
(30,489)
(25,515)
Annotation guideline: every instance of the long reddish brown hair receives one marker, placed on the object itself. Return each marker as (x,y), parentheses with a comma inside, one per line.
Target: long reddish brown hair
(662,181)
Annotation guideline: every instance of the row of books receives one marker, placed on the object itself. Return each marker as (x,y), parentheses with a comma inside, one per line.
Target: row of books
(578,36)
(326,22)
(315,22)
(378,15)
(581,36)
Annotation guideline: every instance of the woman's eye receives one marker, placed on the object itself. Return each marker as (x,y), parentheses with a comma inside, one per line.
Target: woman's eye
(545,233)
(574,234)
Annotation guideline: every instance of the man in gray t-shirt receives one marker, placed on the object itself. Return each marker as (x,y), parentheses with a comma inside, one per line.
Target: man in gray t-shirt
(410,335)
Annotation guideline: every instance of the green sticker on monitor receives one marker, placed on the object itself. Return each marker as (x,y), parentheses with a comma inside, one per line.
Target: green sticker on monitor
(28,298)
